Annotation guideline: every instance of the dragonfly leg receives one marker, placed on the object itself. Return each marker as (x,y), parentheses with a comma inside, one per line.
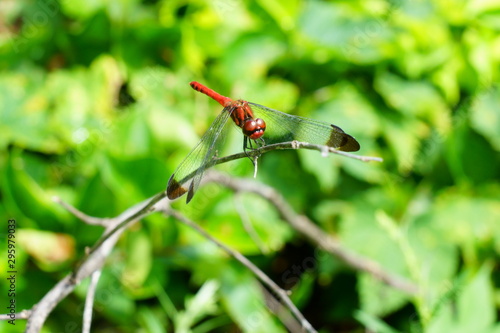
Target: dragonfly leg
(247,144)
(260,142)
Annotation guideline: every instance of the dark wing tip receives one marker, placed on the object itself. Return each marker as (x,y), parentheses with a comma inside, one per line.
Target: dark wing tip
(174,189)
(347,143)
(190,192)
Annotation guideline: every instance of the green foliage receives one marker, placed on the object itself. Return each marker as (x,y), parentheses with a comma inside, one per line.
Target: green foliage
(96,109)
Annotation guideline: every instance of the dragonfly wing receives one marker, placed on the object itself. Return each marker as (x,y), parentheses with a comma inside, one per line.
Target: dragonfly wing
(283,127)
(187,176)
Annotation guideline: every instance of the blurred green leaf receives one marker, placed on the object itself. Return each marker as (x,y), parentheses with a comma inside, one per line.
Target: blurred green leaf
(418,99)
(361,232)
(485,116)
(373,323)
(459,218)
(83,9)
(475,309)
(152,321)
(345,30)
(201,305)
(284,15)
(50,250)
(26,198)
(244,302)
(256,52)
(138,263)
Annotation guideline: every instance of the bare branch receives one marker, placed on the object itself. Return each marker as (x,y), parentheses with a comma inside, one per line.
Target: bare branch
(317,236)
(79,214)
(93,261)
(280,311)
(255,153)
(281,294)
(20,315)
(89,301)
(294,145)
(247,224)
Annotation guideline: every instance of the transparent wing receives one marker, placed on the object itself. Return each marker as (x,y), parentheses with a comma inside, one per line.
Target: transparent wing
(282,127)
(187,176)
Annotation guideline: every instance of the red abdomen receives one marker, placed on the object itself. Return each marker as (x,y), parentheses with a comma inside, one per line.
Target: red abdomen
(222,100)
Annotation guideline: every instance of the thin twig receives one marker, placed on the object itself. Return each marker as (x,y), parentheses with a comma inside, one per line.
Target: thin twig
(89,301)
(81,215)
(317,236)
(255,153)
(25,314)
(282,294)
(294,145)
(247,224)
(274,305)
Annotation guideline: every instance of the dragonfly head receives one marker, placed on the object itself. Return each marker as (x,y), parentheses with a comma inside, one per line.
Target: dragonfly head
(254,128)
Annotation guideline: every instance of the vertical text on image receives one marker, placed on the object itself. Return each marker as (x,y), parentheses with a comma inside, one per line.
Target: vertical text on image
(11,265)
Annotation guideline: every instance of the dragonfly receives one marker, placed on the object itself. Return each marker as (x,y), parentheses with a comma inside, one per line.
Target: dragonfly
(259,124)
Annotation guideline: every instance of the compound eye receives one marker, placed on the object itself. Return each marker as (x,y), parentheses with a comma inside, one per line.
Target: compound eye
(254,128)
(249,127)
(261,123)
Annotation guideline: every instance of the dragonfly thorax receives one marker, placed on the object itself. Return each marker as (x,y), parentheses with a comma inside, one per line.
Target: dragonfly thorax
(243,117)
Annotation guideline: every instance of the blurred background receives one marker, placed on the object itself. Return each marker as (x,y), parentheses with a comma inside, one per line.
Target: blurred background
(96,108)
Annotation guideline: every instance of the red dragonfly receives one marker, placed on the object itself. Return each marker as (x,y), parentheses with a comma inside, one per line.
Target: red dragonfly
(282,128)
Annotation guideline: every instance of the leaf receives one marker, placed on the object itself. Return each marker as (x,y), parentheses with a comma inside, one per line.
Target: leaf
(151,321)
(350,34)
(26,196)
(414,98)
(253,227)
(475,303)
(303,291)
(474,311)
(283,14)
(485,116)
(360,232)
(82,9)
(138,262)
(373,323)
(146,175)
(25,119)
(462,220)
(256,52)
(244,302)
(50,250)
(404,140)
(198,307)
